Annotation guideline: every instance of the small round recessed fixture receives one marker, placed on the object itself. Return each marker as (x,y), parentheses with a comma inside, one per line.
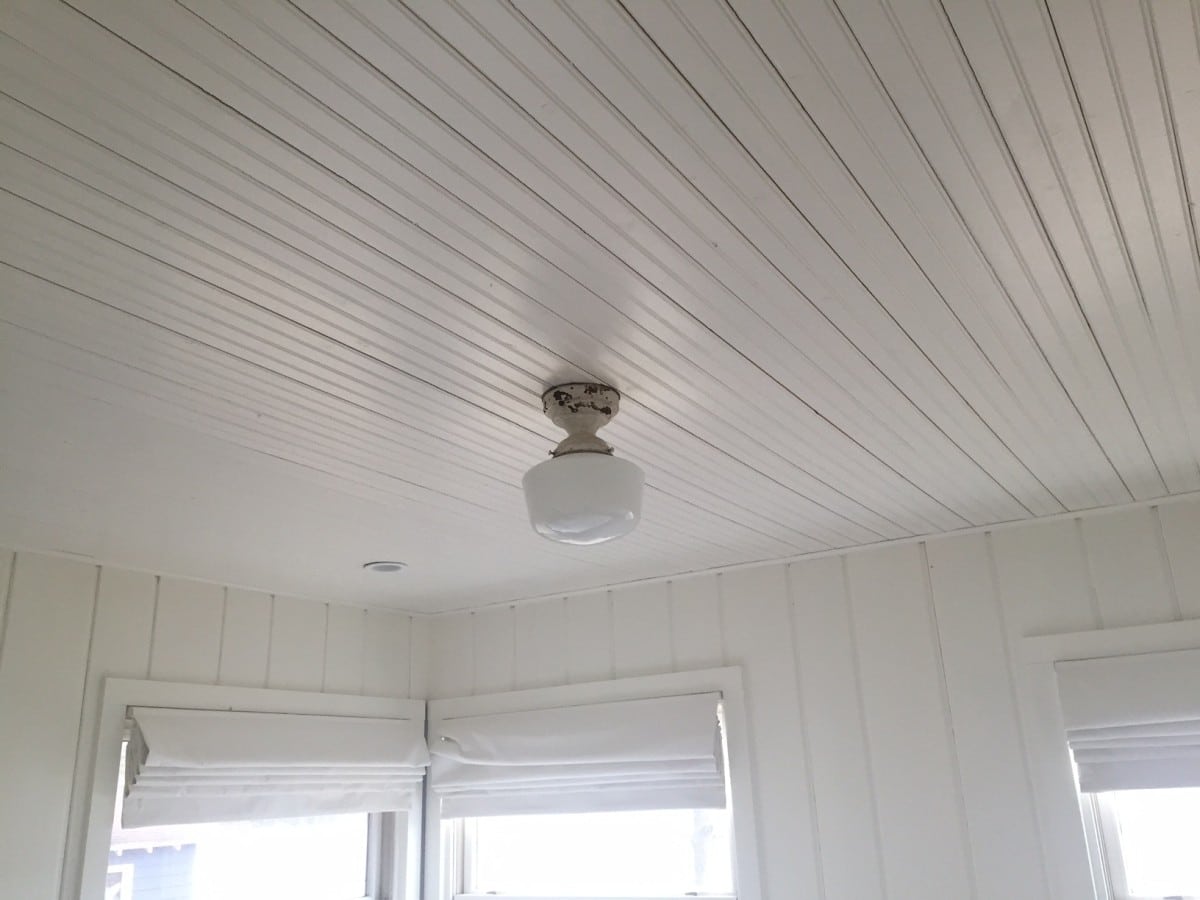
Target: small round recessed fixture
(384,565)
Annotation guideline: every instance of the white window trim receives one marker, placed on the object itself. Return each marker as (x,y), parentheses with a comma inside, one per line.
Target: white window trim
(396,848)
(443,873)
(1038,654)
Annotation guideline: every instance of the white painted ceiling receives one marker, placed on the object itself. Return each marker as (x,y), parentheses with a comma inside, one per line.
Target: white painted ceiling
(283,281)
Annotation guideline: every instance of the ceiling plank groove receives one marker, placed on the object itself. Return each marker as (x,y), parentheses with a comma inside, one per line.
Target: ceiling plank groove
(826,496)
(862,270)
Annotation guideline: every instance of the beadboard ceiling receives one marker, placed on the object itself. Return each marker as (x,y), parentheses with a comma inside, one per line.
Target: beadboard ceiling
(283,281)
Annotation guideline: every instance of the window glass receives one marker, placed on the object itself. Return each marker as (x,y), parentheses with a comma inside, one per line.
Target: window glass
(613,854)
(316,858)
(1159,833)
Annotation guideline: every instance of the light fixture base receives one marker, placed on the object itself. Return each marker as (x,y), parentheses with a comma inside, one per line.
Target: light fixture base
(581,409)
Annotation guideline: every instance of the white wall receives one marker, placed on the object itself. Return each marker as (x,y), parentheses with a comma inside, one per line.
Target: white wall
(901,749)
(65,625)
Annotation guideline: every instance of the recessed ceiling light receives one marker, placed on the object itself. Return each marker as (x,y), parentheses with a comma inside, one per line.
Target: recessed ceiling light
(384,565)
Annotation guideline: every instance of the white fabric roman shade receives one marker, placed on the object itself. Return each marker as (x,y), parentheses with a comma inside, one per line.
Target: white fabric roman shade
(188,765)
(1133,722)
(661,753)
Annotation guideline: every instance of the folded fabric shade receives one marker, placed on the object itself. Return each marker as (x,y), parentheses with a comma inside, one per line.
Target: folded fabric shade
(185,765)
(661,753)
(1133,722)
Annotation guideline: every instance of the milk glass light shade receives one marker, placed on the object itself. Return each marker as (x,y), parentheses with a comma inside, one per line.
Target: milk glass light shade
(583,494)
(584,498)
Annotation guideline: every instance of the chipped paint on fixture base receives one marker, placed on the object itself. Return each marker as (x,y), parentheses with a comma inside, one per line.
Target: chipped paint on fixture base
(581,409)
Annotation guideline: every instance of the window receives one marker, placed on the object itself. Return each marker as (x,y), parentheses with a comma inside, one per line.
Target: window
(309,858)
(1151,842)
(659,853)
(251,794)
(632,788)
(1132,723)
(317,858)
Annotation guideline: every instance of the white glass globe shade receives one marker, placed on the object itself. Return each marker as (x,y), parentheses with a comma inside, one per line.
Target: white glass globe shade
(584,498)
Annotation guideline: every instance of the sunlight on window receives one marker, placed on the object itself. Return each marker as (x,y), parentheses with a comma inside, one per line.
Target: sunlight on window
(616,854)
(1160,840)
(319,858)
(315,858)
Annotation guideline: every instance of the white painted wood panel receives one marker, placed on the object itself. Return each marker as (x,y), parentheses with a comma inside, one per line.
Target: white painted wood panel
(695,612)
(996,788)
(65,632)
(494,649)
(1054,792)
(1126,561)
(387,669)
(902,744)
(918,781)
(452,658)
(186,644)
(539,636)
(1045,583)
(862,270)
(420,642)
(345,649)
(589,639)
(298,631)
(42,674)
(1180,523)
(901,695)
(756,613)
(120,648)
(6,563)
(841,773)
(641,622)
(245,638)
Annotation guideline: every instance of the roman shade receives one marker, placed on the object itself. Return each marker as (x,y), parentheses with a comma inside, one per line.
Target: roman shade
(661,753)
(1133,722)
(188,765)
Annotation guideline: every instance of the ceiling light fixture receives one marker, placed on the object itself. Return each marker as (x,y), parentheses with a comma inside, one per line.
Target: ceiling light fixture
(583,494)
(386,566)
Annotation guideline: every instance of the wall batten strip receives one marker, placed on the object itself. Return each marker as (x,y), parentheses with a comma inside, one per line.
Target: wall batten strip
(10,563)
(1093,594)
(818,855)
(935,637)
(1018,711)
(80,744)
(1160,540)
(861,709)
(153,623)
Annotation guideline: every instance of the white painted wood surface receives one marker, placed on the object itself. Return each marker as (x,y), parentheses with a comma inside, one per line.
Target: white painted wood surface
(65,626)
(289,278)
(48,628)
(902,743)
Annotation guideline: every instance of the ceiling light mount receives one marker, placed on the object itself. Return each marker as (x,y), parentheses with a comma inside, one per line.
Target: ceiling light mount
(583,494)
(581,409)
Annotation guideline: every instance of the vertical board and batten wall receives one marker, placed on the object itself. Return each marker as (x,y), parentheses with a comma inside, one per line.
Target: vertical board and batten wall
(901,748)
(66,625)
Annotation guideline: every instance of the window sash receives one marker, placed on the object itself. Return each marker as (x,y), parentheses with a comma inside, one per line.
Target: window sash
(400,836)
(443,868)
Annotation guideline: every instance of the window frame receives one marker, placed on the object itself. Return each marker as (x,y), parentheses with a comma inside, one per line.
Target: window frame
(394,840)
(463,861)
(444,847)
(1089,847)
(1104,844)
